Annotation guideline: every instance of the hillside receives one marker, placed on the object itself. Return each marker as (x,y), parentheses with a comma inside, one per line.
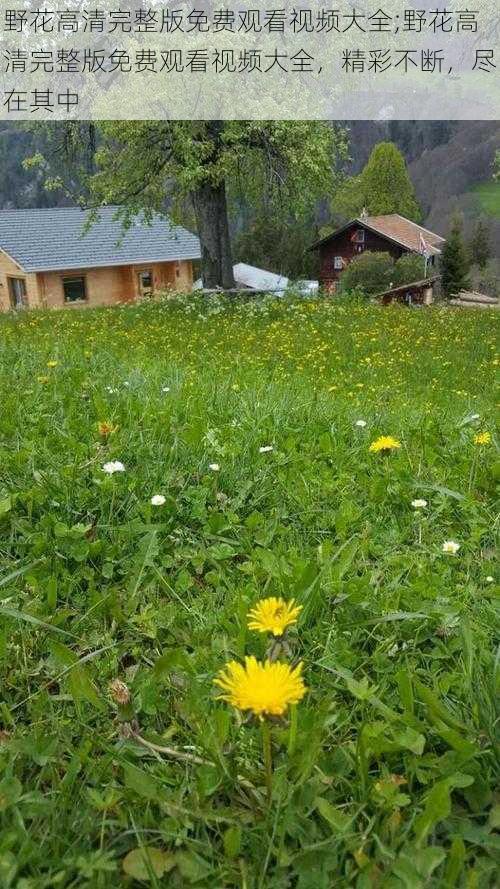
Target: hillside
(450,164)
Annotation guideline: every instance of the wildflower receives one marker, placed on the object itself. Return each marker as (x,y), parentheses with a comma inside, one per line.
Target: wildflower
(384,443)
(165,389)
(214,467)
(419,504)
(264,688)
(482,438)
(360,423)
(265,449)
(105,428)
(273,615)
(43,379)
(113,466)
(111,390)
(52,363)
(449,546)
(158,500)
(490,579)
(119,692)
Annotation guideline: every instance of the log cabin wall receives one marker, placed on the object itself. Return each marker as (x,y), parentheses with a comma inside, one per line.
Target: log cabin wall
(343,246)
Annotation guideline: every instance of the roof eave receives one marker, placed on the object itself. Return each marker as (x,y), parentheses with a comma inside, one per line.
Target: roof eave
(14,260)
(376,231)
(423,283)
(333,234)
(29,269)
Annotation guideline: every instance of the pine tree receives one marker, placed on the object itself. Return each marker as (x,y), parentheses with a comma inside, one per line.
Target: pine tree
(480,247)
(383,186)
(387,185)
(455,262)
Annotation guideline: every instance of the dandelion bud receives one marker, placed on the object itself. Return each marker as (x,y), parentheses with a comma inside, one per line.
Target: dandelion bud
(120,692)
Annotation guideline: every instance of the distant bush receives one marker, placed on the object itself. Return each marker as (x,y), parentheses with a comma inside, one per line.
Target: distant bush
(408,268)
(375,272)
(370,272)
(488,281)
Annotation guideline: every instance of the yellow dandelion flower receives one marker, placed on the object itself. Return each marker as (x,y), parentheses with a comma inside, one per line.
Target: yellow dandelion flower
(43,379)
(52,363)
(482,438)
(266,688)
(273,615)
(384,443)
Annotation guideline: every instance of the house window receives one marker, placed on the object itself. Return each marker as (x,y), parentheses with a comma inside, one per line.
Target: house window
(359,236)
(338,263)
(74,289)
(17,292)
(146,282)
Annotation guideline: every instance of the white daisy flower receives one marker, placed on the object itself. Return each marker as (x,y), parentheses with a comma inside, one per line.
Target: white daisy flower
(265,449)
(113,466)
(450,546)
(360,423)
(165,389)
(214,467)
(419,504)
(158,500)
(490,579)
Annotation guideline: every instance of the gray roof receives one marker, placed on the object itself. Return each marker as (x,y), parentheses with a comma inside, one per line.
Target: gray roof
(52,240)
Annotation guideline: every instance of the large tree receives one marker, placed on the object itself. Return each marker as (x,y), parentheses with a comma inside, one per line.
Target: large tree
(383,186)
(200,168)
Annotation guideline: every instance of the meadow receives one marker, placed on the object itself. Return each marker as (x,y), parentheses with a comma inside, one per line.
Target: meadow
(488,194)
(166,467)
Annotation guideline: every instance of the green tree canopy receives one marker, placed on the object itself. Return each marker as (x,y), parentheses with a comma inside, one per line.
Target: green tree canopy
(383,186)
(199,168)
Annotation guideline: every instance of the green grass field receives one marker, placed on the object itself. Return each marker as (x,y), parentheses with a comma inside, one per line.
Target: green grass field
(488,194)
(384,775)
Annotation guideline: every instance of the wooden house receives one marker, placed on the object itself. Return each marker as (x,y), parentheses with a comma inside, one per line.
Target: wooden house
(50,258)
(391,234)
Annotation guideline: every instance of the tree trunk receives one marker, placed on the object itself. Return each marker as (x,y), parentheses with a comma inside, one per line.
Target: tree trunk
(213,229)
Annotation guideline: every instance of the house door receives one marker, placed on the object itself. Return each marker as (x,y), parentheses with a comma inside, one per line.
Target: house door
(145,282)
(17,292)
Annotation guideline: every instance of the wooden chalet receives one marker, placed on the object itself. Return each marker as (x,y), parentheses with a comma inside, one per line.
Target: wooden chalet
(392,234)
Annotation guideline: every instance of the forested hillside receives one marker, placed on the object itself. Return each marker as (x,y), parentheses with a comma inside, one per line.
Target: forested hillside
(450,163)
